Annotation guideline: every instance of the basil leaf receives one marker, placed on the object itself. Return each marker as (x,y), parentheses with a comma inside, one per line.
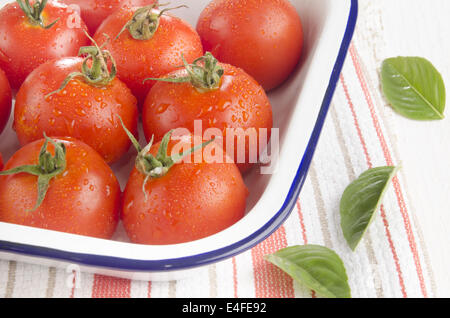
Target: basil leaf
(317,267)
(361,200)
(413,87)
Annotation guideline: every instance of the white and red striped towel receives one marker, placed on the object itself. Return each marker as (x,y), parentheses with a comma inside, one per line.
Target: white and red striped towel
(391,261)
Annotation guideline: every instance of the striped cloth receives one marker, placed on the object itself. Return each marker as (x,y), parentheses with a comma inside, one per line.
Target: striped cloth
(391,261)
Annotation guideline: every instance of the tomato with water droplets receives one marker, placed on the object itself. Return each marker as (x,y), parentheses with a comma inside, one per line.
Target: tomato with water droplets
(83,198)
(5,100)
(81,110)
(93,12)
(264,37)
(27,42)
(151,52)
(237,101)
(194,199)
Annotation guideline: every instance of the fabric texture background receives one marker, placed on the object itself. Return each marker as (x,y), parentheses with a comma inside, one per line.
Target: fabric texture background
(391,261)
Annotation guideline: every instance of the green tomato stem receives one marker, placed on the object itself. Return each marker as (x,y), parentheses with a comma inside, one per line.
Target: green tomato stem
(145,22)
(157,167)
(47,168)
(34,12)
(97,74)
(205,74)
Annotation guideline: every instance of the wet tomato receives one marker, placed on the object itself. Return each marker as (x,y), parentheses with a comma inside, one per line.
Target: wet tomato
(93,12)
(174,202)
(82,109)
(230,100)
(265,38)
(82,194)
(28,40)
(5,100)
(151,45)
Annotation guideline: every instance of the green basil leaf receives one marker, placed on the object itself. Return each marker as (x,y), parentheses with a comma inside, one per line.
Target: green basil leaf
(413,87)
(317,267)
(360,201)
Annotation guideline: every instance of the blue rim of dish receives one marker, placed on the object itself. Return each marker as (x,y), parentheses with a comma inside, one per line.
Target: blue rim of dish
(231,250)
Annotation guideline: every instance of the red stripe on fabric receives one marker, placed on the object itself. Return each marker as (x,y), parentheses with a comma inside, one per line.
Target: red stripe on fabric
(149,290)
(74,284)
(369,164)
(110,287)
(400,199)
(394,253)
(302,223)
(355,121)
(235,281)
(270,281)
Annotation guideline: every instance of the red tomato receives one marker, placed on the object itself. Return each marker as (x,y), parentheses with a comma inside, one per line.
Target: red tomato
(1,162)
(25,45)
(81,110)
(5,100)
(93,12)
(83,199)
(138,59)
(190,202)
(265,38)
(238,102)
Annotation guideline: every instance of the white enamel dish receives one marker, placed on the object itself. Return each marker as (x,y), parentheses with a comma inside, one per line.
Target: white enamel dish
(300,107)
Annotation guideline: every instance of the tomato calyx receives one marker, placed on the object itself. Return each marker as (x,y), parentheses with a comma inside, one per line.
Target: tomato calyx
(47,168)
(205,74)
(157,166)
(145,22)
(34,12)
(94,69)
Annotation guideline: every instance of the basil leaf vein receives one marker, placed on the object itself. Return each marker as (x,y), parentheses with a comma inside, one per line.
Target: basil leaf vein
(315,266)
(414,88)
(360,201)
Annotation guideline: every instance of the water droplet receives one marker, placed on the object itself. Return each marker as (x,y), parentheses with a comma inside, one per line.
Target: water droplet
(80,112)
(162,108)
(130,205)
(57,112)
(245,116)
(223,105)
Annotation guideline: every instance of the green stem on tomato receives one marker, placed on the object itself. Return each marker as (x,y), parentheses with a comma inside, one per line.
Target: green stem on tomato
(47,168)
(205,74)
(34,12)
(97,74)
(145,21)
(157,166)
